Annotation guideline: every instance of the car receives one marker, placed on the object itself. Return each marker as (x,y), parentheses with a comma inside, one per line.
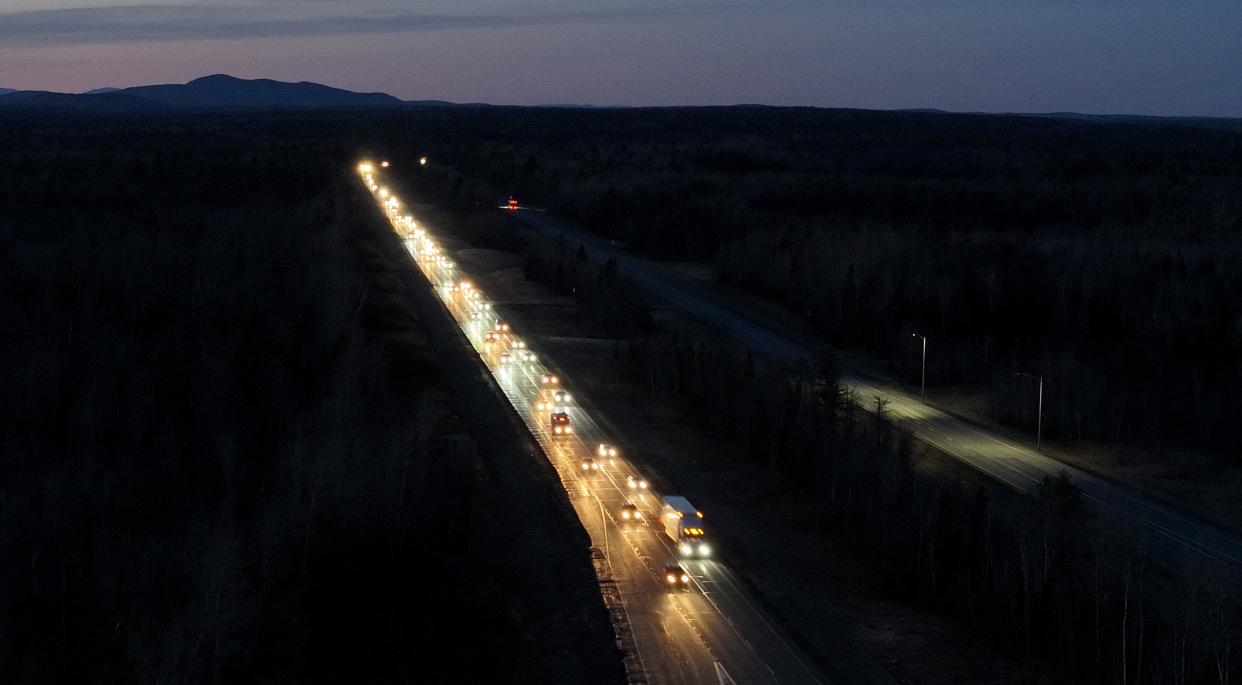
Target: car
(549,379)
(589,464)
(607,452)
(630,512)
(558,396)
(675,578)
(560,423)
(636,483)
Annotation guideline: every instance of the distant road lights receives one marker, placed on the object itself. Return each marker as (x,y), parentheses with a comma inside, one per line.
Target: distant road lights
(422,161)
(365,168)
(923,375)
(383,192)
(384,164)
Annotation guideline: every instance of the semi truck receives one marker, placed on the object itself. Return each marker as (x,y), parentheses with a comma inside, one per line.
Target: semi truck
(684,525)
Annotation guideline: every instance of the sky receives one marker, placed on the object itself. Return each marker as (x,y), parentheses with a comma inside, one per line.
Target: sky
(1180,57)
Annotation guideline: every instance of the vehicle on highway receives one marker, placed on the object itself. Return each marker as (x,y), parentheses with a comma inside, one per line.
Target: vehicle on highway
(607,452)
(550,400)
(684,525)
(560,423)
(513,204)
(549,379)
(676,578)
(506,359)
(630,512)
(636,482)
(589,464)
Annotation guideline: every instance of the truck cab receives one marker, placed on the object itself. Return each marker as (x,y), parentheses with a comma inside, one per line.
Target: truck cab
(683,524)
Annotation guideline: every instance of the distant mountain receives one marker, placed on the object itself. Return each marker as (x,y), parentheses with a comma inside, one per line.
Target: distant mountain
(6,91)
(227,91)
(210,92)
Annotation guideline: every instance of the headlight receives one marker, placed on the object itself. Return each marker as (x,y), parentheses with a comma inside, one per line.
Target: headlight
(685,578)
(638,514)
(685,549)
(704,550)
(625,515)
(569,429)
(671,578)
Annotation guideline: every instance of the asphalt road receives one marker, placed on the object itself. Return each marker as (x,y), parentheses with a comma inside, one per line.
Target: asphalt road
(1165,533)
(711,632)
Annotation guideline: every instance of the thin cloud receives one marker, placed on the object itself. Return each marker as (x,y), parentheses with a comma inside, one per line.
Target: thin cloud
(198,21)
(202,22)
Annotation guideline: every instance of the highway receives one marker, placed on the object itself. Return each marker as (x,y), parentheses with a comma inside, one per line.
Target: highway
(1165,533)
(711,631)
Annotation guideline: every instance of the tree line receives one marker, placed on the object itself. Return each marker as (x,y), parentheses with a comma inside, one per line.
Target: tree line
(226,452)
(1102,256)
(1042,576)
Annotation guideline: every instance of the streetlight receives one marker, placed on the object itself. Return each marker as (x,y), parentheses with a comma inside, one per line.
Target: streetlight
(1039,414)
(923,376)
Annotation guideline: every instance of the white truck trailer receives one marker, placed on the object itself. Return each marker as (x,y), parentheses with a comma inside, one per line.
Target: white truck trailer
(684,525)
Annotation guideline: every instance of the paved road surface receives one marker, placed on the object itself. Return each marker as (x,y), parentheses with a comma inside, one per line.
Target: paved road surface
(713,632)
(1165,533)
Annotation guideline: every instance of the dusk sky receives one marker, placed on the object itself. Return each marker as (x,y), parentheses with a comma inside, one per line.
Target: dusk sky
(1133,56)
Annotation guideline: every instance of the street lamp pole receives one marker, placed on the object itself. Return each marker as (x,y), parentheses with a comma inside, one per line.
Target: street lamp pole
(1038,420)
(923,375)
(1039,412)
